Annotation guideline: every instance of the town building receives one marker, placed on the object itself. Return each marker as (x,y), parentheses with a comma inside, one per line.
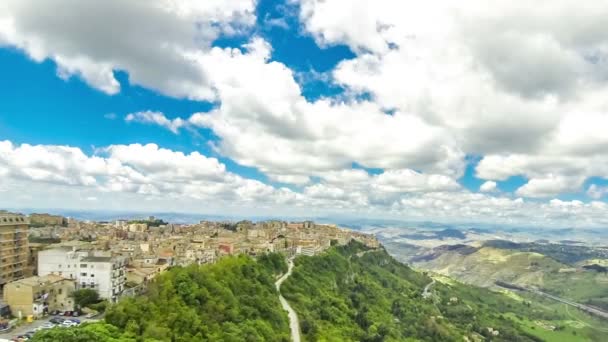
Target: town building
(90,269)
(47,220)
(38,295)
(14,253)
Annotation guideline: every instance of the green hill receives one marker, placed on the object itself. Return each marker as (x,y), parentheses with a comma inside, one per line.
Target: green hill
(232,300)
(486,265)
(347,293)
(350,295)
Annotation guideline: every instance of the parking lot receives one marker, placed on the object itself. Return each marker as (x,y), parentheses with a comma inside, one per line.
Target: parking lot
(25,327)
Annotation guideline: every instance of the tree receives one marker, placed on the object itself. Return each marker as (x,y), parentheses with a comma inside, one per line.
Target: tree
(96,332)
(85,297)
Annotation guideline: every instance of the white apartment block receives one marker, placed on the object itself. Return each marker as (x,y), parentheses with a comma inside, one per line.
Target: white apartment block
(91,269)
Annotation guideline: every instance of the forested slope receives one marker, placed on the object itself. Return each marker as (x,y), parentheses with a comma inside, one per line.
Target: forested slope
(347,294)
(232,300)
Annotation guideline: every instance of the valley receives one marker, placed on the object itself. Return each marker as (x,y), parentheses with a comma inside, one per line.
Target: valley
(566,274)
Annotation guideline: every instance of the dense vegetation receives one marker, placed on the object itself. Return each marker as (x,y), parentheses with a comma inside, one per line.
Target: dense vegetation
(85,297)
(348,294)
(232,300)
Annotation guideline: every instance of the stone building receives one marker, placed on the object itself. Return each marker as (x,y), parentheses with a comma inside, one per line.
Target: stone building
(14,253)
(47,220)
(38,295)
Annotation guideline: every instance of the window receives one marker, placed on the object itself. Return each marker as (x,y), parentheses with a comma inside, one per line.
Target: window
(83,274)
(59,291)
(92,275)
(83,265)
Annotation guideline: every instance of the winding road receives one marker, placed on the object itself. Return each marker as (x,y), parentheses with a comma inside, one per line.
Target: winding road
(294,324)
(426,293)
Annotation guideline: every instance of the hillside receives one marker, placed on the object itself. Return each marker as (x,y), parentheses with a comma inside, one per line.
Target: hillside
(581,282)
(232,300)
(348,294)
(483,266)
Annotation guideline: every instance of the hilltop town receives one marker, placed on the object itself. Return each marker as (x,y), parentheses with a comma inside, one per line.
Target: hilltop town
(46,257)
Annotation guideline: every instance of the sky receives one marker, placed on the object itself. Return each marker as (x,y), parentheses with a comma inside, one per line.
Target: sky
(445,111)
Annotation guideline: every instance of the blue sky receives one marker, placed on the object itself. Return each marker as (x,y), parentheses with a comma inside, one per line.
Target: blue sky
(299,109)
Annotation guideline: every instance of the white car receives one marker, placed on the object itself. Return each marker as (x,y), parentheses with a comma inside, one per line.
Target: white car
(68,324)
(47,325)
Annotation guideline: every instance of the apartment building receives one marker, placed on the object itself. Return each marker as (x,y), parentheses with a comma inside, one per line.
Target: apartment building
(90,269)
(38,295)
(14,252)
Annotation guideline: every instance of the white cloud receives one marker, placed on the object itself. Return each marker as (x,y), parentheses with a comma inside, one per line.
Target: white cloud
(508,81)
(264,121)
(522,86)
(549,186)
(157,118)
(140,169)
(488,186)
(151,40)
(596,192)
(290,179)
(148,177)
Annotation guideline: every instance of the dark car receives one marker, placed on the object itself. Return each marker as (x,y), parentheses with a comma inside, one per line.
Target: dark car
(67,313)
(56,320)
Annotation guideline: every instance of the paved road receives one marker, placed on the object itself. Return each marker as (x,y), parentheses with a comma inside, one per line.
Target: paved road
(426,293)
(294,324)
(583,307)
(586,308)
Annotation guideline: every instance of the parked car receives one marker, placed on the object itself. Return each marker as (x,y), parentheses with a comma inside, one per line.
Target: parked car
(91,315)
(56,320)
(68,324)
(55,312)
(74,320)
(47,325)
(67,313)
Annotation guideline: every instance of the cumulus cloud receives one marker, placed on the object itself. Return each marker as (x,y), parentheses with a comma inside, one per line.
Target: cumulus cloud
(509,82)
(488,186)
(506,81)
(131,176)
(156,118)
(151,40)
(140,169)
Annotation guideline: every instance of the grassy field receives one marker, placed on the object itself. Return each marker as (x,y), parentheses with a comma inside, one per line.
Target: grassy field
(587,327)
(543,329)
(577,286)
